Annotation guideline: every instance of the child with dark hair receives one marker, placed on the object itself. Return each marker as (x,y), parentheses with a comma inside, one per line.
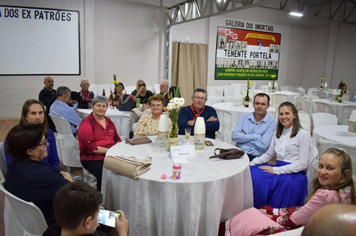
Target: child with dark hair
(76,208)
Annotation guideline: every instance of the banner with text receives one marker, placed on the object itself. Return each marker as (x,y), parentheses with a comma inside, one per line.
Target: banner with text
(246,54)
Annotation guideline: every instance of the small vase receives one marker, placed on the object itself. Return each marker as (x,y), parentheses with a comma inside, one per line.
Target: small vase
(172,142)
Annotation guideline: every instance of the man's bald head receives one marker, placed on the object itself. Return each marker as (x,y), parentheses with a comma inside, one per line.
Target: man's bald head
(332,220)
(48,82)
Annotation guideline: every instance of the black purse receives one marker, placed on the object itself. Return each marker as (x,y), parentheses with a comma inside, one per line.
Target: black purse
(231,153)
(127,103)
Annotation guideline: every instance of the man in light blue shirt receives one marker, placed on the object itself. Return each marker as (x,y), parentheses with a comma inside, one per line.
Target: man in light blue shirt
(60,108)
(254,131)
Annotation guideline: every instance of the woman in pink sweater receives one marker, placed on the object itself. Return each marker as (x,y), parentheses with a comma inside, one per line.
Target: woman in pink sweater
(333,184)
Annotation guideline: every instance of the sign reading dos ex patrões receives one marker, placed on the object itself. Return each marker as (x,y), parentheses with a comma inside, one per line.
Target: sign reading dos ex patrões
(38,41)
(246,54)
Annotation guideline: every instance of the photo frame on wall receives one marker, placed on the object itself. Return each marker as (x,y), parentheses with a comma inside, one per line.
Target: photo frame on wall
(246,54)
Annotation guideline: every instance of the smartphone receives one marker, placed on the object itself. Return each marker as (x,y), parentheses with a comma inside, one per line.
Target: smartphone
(107,217)
(208,143)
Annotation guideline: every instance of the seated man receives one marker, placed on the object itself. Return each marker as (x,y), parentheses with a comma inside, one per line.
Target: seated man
(85,95)
(47,93)
(188,115)
(76,208)
(332,219)
(163,90)
(60,108)
(253,131)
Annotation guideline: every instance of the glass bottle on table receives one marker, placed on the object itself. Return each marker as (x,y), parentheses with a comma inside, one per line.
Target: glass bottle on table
(104,92)
(247,99)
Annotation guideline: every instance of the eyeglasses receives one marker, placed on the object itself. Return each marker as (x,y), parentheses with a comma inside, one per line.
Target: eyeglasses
(44,143)
(140,85)
(156,105)
(199,98)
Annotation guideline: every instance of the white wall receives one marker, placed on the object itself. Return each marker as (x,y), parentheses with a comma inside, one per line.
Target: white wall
(116,37)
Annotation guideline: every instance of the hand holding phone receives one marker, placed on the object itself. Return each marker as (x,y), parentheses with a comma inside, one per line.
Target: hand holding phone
(107,217)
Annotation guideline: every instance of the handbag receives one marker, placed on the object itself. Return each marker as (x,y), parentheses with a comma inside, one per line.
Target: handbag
(127,166)
(230,153)
(127,102)
(137,141)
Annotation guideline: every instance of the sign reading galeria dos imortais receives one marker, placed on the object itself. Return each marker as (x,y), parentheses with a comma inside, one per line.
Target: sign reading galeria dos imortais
(246,54)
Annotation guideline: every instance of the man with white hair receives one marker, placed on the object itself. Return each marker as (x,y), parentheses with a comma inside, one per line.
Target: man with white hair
(85,95)
(47,94)
(163,90)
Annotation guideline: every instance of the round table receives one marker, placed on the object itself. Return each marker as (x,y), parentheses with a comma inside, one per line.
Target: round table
(336,108)
(335,133)
(209,192)
(228,114)
(123,120)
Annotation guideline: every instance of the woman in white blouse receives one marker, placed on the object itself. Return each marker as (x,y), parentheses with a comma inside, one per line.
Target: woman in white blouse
(285,183)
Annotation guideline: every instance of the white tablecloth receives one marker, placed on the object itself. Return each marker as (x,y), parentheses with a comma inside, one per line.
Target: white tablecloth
(335,133)
(228,115)
(123,120)
(336,107)
(209,192)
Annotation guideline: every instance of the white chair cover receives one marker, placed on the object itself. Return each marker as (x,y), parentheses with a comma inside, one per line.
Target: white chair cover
(215,94)
(322,145)
(277,99)
(149,87)
(156,89)
(304,120)
(346,112)
(302,104)
(68,150)
(323,119)
(3,166)
(229,91)
(310,99)
(237,89)
(233,99)
(313,164)
(21,217)
(129,89)
(319,94)
(94,89)
(89,178)
(322,107)
(286,88)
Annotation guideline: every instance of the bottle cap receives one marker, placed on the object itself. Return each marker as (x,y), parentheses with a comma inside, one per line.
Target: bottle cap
(177,166)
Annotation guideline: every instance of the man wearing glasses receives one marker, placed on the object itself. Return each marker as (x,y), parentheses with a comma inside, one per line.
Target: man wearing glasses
(188,115)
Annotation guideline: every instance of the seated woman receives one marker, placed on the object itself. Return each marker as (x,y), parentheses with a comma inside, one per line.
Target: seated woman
(33,112)
(141,92)
(96,134)
(119,90)
(285,183)
(27,177)
(148,124)
(333,184)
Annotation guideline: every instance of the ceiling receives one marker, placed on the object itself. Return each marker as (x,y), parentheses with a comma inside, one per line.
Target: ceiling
(315,11)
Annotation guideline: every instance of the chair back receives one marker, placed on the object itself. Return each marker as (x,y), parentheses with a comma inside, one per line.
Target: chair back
(156,89)
(302,104)
(277,99)
(150,88)
(129,89)
(304,120)
(286,88)
(322,145)
(233,99)
(313,164)
(320,94)
(3,166)
(89,178)
(21,217)
(310,99)
(346,112)
(228,91)
(322,107)
(323,119)
(68,150)
(237,89)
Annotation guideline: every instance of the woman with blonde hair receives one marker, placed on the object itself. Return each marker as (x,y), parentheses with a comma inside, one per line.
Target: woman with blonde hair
(33,111)
(333,184)
(141,92)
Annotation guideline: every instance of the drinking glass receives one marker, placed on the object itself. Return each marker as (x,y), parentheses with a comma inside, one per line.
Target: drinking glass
(187,135)
(218,138)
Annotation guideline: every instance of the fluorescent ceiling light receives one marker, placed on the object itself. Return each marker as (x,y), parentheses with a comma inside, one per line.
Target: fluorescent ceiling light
(293,13)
